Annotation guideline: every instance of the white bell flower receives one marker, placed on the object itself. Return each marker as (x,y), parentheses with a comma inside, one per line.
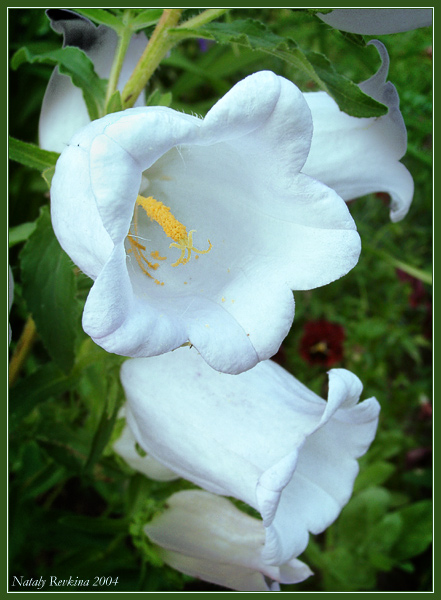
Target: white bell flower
(357,156)
(377,21)
(64,111)
(207,537)
(126,447)
(261,437)
(197,230)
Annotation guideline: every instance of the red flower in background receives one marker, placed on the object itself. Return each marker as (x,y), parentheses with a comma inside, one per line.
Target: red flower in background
(419,298)
(322,343)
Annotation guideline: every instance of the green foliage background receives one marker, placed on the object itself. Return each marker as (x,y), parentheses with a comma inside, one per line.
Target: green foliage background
(75,508)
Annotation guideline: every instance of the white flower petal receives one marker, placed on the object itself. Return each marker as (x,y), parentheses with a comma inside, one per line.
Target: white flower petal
(206,536)
(64,111)
(356,156)
(125,446)
(380,21)
(260,436)
(234,179)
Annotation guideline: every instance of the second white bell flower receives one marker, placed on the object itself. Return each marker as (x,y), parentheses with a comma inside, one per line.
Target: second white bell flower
(127,448)
(380,21)
(64,110)
(197,230)
(358,156)
(206,536)
(261,437)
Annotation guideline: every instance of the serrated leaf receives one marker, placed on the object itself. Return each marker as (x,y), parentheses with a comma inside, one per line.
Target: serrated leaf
(256,36)
(78,66)
(102,17)
(31,155)
(346,93)
(49,288)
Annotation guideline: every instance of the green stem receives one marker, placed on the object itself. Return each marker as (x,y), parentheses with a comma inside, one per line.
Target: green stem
(159,44)
(121,50)
(22,350)
(423,276)
(204,17)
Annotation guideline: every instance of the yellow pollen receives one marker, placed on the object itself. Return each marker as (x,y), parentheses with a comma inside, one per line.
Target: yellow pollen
(155,254)
(161,214)
(143,263)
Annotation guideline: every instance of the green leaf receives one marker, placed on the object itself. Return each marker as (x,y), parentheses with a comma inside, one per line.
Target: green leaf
(256,36)
(417,530)
(31,155)
(20,233)
(360,515)
(63,455)
(102,17)
(146,18)
(382,536)
(115,103)
(157,98)
(103,433)
(374,475)
(47,176)
(313,11)
(49,288)
(78,66)
(354,38)
(346,93)
(47,382)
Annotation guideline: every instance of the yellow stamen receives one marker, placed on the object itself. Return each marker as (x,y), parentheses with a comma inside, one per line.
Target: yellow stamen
(137,249)
(186,245)
(161,214)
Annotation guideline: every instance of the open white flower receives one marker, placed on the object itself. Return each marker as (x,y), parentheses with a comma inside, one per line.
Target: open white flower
(260,436)
(197,230)
(361,156)
(377,21)
(64,111)
(206,536)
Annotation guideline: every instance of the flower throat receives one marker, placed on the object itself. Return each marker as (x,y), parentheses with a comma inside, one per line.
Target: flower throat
(161,214)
